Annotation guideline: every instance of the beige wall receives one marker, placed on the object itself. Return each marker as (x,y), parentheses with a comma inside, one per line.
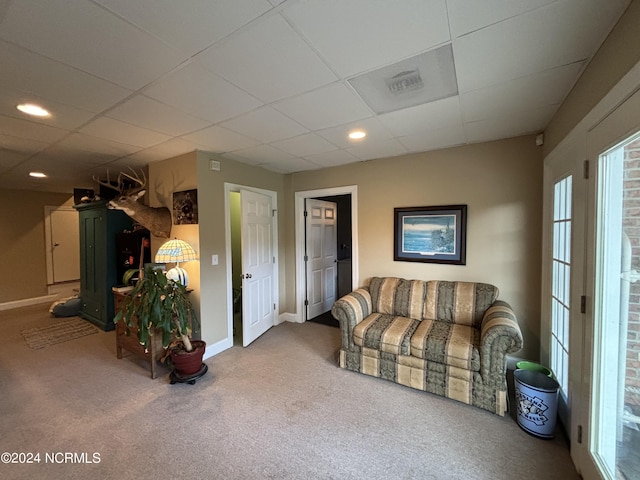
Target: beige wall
(616,56)
(22,237)
(211,204)
(501,182)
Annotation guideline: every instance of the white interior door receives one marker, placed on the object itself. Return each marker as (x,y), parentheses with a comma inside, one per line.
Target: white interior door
(258,265)
(62,244)
(322,258)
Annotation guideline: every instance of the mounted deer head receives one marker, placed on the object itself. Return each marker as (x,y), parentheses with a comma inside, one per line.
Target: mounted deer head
(156,219)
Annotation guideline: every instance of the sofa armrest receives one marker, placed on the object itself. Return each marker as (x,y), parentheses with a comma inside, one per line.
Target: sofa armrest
(351,310)
(499,335)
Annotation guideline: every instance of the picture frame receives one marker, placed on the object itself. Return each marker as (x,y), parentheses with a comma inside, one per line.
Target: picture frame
(185,207)
(434,234)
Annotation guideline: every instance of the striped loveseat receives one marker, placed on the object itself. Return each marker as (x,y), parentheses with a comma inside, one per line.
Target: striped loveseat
(447,338)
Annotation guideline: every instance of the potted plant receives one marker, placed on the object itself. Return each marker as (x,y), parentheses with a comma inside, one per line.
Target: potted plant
(161,305)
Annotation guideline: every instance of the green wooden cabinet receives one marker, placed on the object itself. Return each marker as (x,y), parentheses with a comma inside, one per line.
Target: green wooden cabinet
(98,270)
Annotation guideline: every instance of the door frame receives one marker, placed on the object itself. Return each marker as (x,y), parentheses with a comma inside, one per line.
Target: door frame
(301,281)
(48,246)
(235,187)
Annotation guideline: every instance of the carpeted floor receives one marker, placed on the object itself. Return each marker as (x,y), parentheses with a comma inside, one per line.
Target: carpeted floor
(278,409)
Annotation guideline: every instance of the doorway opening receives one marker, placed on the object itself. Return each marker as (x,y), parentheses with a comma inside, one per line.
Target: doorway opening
(326,256)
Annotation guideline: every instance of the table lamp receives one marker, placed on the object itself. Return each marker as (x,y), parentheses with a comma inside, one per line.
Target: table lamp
(176,251)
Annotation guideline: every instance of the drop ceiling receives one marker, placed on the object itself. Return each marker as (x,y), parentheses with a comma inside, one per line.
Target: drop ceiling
(271,82)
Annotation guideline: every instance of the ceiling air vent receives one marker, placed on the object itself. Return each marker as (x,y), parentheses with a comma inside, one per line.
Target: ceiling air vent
(404,82)
(425,78)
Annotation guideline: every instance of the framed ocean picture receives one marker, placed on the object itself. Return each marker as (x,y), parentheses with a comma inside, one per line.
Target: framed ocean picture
(431,234)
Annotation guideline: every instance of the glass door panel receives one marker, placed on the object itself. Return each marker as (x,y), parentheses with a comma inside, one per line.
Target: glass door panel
(615,414)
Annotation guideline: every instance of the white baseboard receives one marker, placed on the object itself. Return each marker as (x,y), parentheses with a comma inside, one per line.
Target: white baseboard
(289,317)
(217,347)
(27,301)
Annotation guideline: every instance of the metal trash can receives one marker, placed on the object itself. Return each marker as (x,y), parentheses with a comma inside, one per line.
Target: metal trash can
(537,401)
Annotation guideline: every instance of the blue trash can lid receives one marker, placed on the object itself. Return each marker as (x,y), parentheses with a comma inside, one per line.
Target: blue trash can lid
(536,380)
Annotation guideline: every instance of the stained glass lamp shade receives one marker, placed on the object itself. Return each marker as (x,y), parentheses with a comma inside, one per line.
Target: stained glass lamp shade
(176,251)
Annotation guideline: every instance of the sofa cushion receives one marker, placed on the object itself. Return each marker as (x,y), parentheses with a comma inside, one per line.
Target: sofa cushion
(458,302)
(397,296)
(386,333)
(447,343)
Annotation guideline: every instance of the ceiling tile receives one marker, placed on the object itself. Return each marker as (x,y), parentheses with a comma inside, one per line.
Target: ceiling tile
(306,144)
(31,130)
(365,34)
(265,124)
(86,36)
(218,139)
(21,145)
(172,148)
(339,135)
(555,35)
(290,165)
(90,144)
(199,92)
(495,128)
(332,159)
(262,154)
(469,15)
(326,107)
(276,62)
(29,72)
(10,158)
(62,116)
(121,132)
(434,139)
(430,116)
(151,114)
(189,28)
(526,93)
(371,149)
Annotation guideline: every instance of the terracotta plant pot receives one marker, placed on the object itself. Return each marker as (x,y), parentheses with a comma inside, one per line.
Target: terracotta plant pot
(188,363)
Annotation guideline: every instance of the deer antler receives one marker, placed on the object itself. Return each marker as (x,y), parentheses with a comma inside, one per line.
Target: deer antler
(135,178)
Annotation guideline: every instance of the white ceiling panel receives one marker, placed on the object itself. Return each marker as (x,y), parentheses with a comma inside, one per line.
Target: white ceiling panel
(10,158)
(265,124)
(521,95)
(65,117)
(121,132)
(218,139)
(470,15)
(378,149)
(90,144)
(262,154)
(332,159)
(269,82)
(326,107)
(339,135)
(304,145)
(151,114)
(359,35)
(83,35)
(202,94)
(32,73)
(539,40)
(435,139)
(510,126)
(190,28)
(276,62)
(31,130)
(430,116)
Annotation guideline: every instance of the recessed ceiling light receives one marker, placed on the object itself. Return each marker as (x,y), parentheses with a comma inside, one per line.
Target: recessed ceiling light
(37,174)
(357,135)
(32,109)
